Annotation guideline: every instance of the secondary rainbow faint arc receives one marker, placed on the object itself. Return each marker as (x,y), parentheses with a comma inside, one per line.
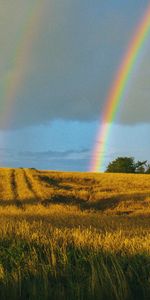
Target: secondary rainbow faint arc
(117,90)
(13,79)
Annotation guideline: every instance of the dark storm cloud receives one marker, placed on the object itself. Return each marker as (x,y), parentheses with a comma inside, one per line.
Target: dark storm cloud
(73,60)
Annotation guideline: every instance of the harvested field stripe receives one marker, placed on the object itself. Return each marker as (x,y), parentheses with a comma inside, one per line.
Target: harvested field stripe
(33,185)
(23,191)
(6,192)
(29,184)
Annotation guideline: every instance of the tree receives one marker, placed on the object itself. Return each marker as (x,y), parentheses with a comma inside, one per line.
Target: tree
(147,169)
(141,167)
(128,165)
(121,165)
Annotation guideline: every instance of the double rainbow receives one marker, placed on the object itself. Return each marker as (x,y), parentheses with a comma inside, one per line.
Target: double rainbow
(118,89)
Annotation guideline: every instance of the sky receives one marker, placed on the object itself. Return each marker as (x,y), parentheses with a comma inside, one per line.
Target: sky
(57,62)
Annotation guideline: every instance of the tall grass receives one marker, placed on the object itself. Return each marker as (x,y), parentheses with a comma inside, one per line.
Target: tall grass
(38,261)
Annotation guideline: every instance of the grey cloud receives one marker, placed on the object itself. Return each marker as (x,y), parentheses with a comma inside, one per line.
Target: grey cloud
(55,155)
(72,61)
(63,160)
(136,104)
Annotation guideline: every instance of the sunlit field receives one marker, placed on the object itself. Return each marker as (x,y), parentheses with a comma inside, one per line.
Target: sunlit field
(74,235)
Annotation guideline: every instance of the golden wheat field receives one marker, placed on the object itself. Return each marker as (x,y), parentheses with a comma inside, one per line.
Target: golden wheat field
(74,235)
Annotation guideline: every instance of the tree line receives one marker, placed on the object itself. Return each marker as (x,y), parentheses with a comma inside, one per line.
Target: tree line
(128,165)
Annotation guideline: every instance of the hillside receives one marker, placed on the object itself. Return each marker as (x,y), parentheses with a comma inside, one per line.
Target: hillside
(108,193)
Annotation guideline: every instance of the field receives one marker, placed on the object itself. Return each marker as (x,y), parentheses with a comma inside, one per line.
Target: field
(74,236)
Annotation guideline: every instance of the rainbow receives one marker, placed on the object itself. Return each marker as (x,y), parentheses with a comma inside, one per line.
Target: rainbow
(117,91)
(13,79)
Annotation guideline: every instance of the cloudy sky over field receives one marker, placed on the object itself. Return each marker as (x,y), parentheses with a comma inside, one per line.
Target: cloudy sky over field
(57,62)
